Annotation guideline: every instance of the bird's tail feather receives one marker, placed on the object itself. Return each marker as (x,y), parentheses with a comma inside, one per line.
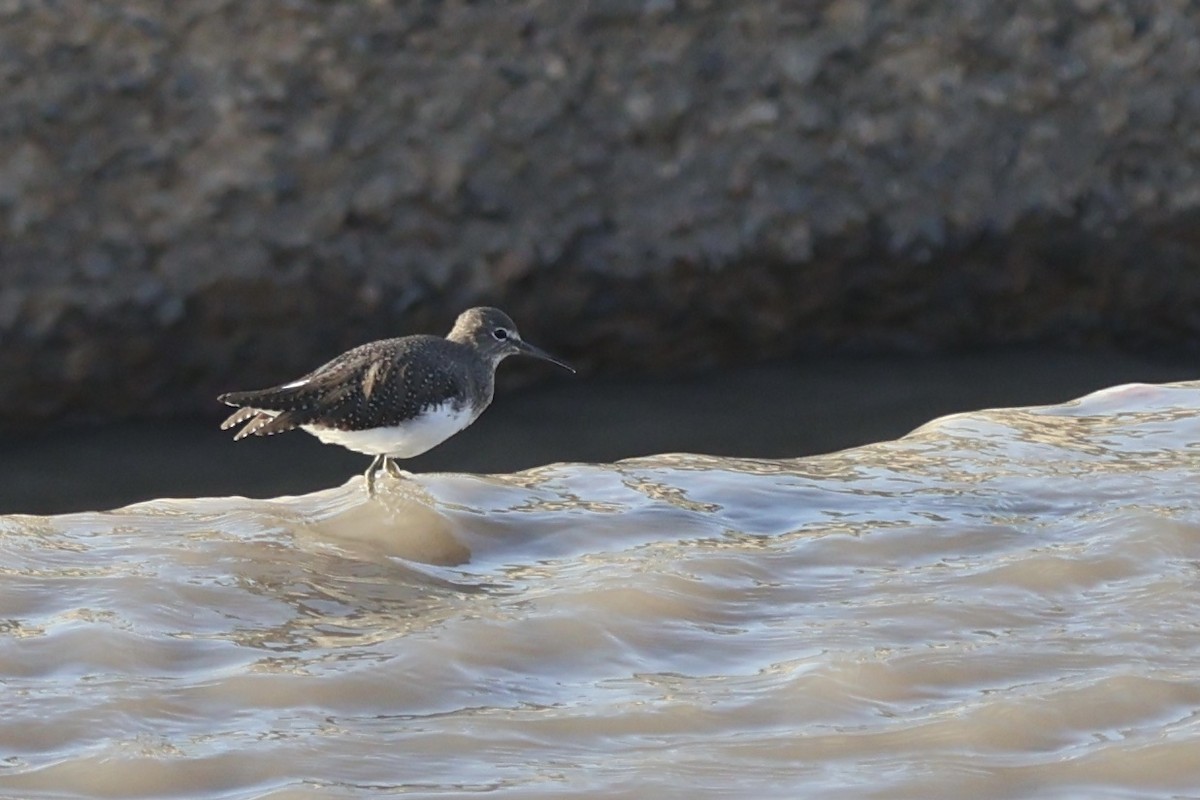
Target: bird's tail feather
(238,417)
(259,398)
(281,408)
(261,423)
(291,397)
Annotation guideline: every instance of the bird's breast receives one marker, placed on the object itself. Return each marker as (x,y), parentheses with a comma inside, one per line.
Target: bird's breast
(407,439)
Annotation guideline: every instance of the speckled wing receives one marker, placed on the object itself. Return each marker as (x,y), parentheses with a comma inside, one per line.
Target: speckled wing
(390,391)
(377,384)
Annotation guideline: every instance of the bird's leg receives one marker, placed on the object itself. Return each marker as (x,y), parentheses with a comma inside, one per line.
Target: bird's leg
(393,468)
(376,462)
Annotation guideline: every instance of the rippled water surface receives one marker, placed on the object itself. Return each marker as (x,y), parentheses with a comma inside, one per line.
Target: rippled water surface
(1001,604)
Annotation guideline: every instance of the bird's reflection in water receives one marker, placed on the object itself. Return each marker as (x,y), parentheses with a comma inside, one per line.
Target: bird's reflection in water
(354,570)
(400,521)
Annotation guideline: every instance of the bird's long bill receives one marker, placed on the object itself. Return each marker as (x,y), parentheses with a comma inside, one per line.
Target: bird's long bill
(527,349)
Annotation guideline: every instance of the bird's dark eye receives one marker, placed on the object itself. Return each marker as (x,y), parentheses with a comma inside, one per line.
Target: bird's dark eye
(500,334)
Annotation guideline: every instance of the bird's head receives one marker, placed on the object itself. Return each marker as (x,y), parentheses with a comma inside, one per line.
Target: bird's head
(495,336)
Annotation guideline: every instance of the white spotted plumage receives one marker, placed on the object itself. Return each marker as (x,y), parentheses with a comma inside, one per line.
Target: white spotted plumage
(394,398)
(419,434)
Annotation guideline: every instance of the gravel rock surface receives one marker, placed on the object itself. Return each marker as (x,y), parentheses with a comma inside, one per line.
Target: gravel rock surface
(202,195)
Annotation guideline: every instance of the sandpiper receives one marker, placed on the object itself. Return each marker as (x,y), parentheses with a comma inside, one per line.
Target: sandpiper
(394,398)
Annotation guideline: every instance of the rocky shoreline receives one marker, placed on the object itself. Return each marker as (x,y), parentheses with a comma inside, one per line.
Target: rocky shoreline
(213,194)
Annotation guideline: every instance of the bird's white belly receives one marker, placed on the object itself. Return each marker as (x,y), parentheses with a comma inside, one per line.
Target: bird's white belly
(412,438)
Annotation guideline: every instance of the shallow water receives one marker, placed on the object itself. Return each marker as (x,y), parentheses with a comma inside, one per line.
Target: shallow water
(1001,604)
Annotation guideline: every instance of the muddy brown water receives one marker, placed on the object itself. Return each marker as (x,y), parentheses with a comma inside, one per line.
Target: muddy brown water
(1002,603)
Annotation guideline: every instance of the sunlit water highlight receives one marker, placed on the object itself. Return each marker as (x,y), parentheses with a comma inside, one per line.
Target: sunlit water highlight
(1001,604)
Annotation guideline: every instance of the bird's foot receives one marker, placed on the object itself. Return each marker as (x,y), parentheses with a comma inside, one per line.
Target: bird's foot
(384,464)
(376,463)
(394,469)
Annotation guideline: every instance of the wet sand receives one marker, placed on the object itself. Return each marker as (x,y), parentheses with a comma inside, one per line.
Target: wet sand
(777,410)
